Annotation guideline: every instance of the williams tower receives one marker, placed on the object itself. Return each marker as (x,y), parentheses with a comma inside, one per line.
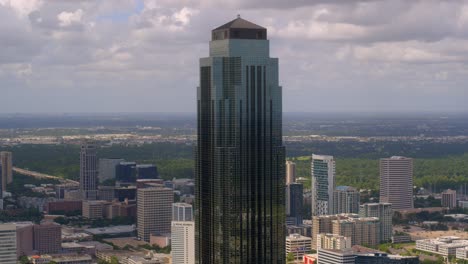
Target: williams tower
(240,158)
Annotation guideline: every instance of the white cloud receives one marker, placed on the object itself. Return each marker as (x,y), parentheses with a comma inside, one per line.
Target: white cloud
(22,7)
(69,18)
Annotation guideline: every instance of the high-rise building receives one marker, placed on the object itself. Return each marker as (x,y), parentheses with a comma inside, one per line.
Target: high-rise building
(384,212)
(396,182)
(294,202)
(47,238)
(298,245)
(8,244)
(333,241)
(107,168)
(346,200)
(126,172)
(6,160)
(323,184)
(449,198)
(182,212)
(24,238)
(183,242)
(154,211)
(147,171)
(290,172)
(240,158)
(88,171)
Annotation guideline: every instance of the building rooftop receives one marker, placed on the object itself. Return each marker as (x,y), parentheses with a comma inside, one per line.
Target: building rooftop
(239,28)
(239,23)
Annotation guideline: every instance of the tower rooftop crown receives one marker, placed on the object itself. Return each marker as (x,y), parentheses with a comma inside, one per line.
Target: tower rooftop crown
(239,28)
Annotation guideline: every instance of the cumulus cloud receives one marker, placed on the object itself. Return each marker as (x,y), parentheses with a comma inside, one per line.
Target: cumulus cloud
(142,55)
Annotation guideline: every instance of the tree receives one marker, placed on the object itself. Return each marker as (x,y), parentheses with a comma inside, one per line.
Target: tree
(114,260)
(24,260)
(290,257)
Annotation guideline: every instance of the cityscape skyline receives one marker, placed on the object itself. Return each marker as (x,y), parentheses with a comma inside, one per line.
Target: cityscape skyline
(342,48)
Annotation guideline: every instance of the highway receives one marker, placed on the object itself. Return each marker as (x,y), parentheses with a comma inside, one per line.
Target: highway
(41,175)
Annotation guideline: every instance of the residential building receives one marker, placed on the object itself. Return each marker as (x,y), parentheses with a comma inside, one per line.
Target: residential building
(154,211)
(6,161)
(449,198)
(323,184)
(346,200)
(294,202)
(8,244)
(47,238)
(384,212)
(88,171)
(362,231)
(333,256)
(333,241)
(298,245)
(396,182)
(107,168)
(290,172)
(182,212)
(240,157)
(183,242)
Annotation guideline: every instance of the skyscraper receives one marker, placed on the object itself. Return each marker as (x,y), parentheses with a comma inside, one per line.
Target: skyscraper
(107,168)
(154,211)
(396,182)
(294,203)
(240,158)
(345,200)
(6,160)
(290,172)
(182,212)
(88,171)
(323,184)
(182,234)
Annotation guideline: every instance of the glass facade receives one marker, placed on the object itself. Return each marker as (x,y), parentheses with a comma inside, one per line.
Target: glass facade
(240,158)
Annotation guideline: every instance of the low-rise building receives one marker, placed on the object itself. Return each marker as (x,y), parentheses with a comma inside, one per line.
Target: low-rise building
(61,259)
(445,246)
(379,258)
(298,245)
(333,256)
(333,241)
(462,253)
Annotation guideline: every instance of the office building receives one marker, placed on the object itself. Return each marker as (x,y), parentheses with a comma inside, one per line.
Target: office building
(107,169)
(8,244)
(126,172)
(88,171)
(333,256)
(362,231)
(449,198)
(147,171)
(290,172)
(445,246)
(462,253)
(182,212)
(183,242)
(396,182)
(333,241)
(384,212)
(240,157)
(93,209)
(381,258)
(24,238)
(323,184)
(294,203)
(154,211)
(298,245)
(346,200)
(6,160)
(47,238)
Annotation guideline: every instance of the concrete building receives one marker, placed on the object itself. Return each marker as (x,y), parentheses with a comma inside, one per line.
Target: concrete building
(94,209)
(61,259)
(463,204)
(380,258)
(384,212)
(64,206)
(294,203)
(346,200)
(290,172)
(183,242)
(298,245)
(333,241)
(396,182)
(323,184)
(462,253)
(449,198)
(8,244)
(107,168)
(47,238)
(154,211)
(362,231)
(445,246)
(88,171)
(182,212)
(24,238)
(333,256)
(6,171)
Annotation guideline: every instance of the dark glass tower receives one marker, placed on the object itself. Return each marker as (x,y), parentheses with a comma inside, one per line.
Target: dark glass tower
(240,158)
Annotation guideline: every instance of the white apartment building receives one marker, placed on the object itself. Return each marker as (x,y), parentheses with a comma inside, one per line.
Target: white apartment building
(333,241)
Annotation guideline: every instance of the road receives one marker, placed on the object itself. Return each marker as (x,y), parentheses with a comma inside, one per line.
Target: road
(41,175)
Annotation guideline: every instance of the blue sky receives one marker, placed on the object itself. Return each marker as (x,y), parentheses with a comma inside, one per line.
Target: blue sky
(142,55)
